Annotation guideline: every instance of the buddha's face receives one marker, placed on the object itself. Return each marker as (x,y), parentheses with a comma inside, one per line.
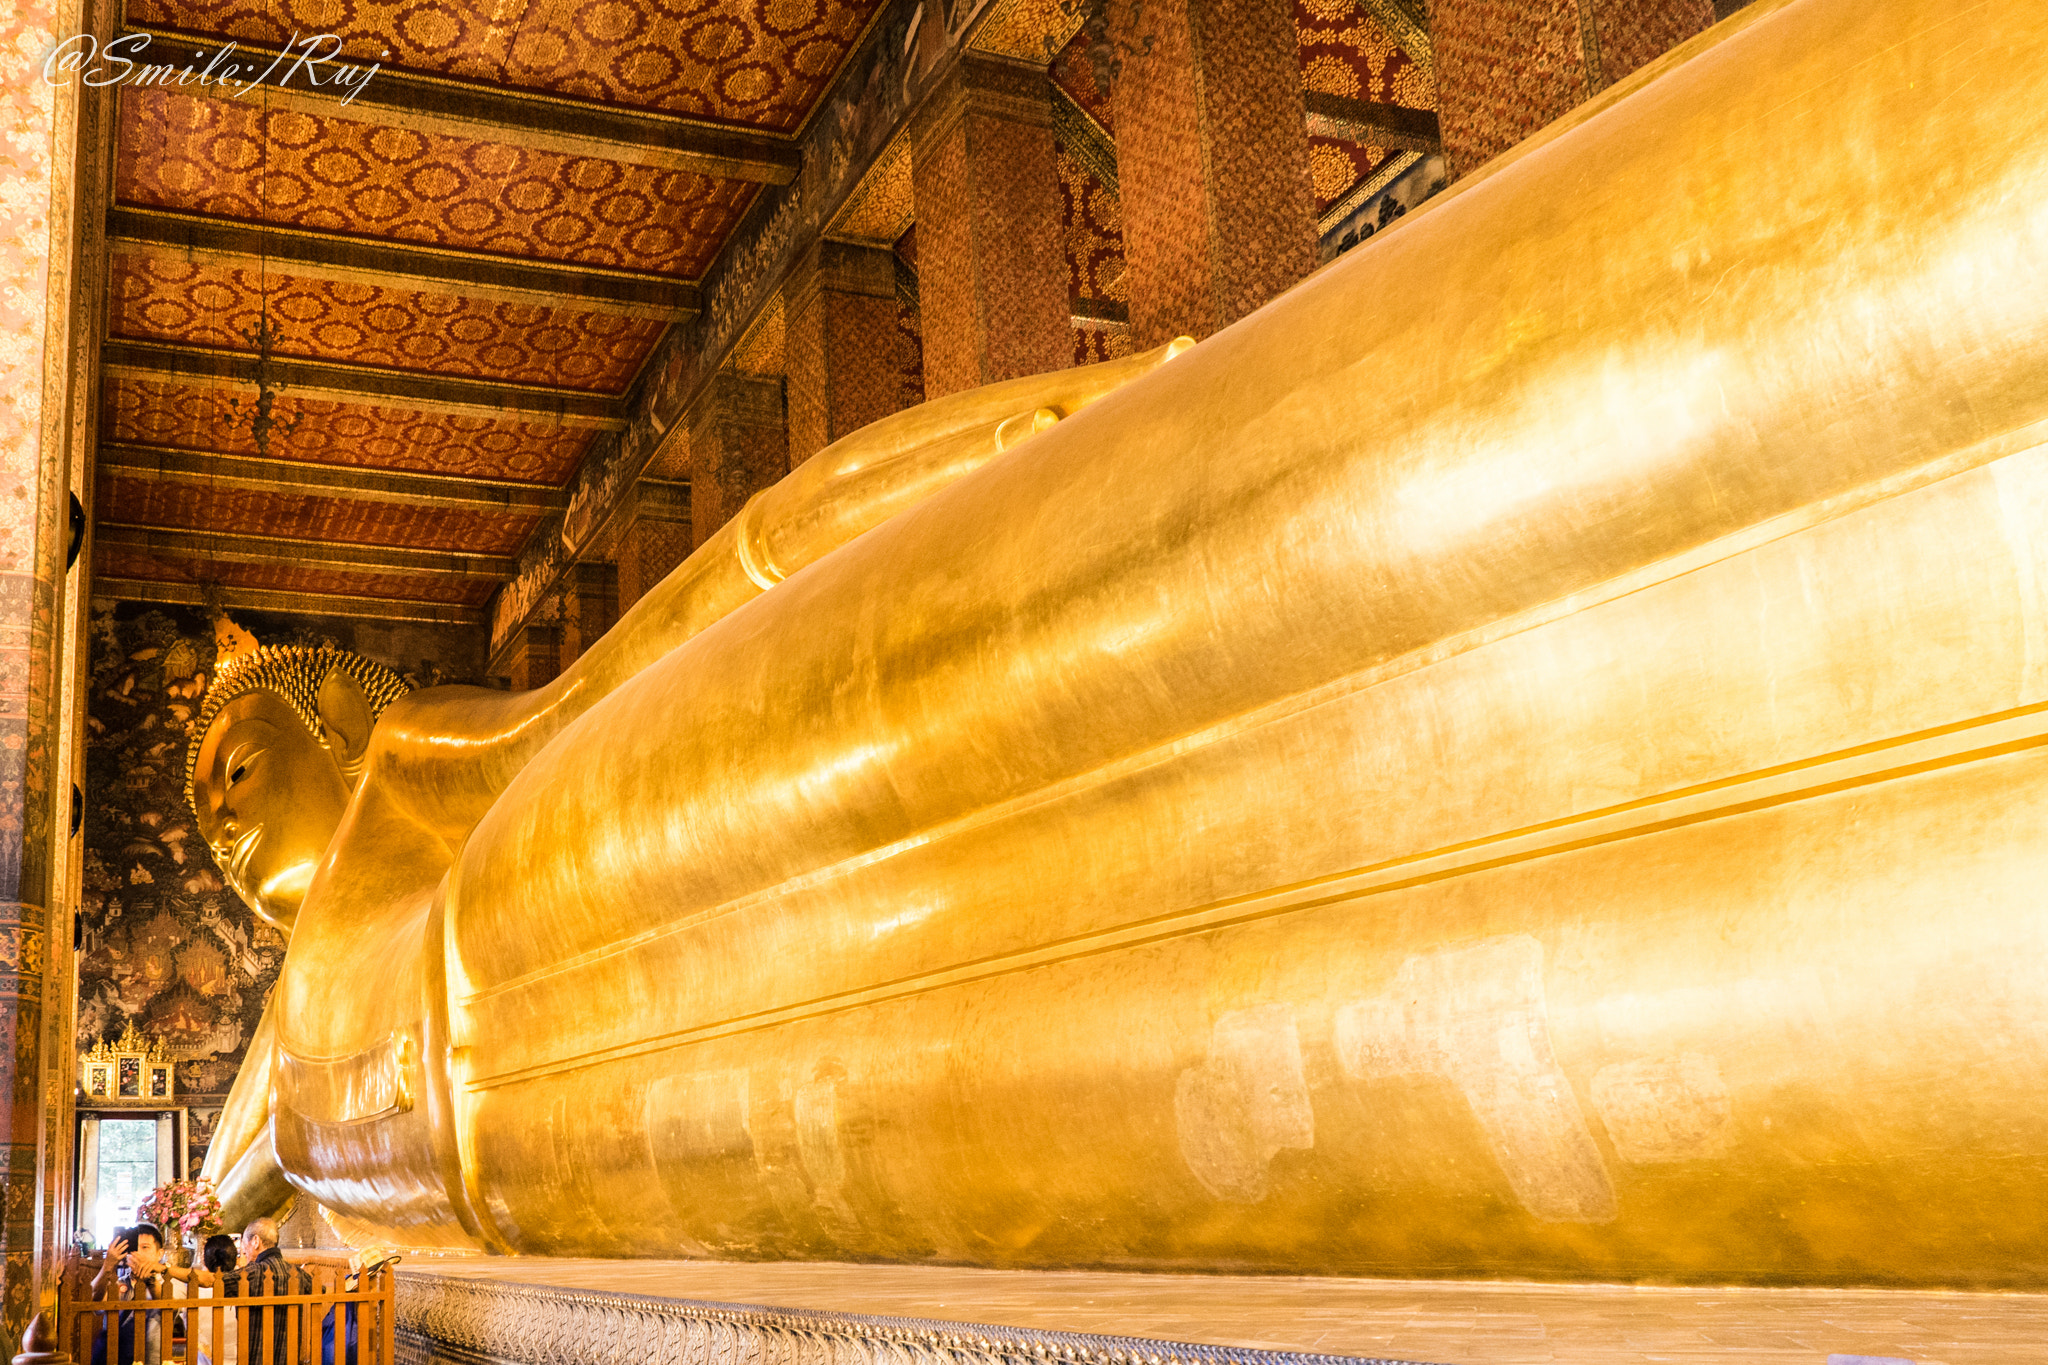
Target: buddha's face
(269,796)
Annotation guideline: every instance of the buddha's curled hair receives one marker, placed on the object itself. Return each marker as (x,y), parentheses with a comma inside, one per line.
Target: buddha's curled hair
(295,674)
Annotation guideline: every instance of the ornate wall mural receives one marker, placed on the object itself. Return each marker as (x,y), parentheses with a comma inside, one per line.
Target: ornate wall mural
(166,946)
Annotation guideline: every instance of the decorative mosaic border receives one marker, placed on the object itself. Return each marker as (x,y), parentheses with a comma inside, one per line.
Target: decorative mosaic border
(491,1322)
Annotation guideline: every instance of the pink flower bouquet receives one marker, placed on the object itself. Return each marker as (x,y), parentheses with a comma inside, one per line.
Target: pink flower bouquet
(188,1207)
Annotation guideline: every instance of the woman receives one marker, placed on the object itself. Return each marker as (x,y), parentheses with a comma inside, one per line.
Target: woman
(216,1259)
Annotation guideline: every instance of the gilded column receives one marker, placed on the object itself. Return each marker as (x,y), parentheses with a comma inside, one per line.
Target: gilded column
(24,922)
(992,272)
(1219,211)
(844,352)
(1505,70)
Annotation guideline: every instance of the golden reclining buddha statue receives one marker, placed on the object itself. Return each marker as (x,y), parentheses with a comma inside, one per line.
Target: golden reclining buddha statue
(1525,756)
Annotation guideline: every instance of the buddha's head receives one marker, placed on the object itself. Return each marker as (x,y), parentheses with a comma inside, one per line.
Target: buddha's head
(277,747)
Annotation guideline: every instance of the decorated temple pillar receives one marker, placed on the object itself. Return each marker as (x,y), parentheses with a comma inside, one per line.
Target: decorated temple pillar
(1506,70)
(738,446)
(1212,152)
(54,162)
(25,810)
(992,272)
(533,657)
(654,539)
(844,352)
(590,604)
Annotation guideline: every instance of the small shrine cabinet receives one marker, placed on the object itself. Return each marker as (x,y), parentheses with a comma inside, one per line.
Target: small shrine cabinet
(132,1069)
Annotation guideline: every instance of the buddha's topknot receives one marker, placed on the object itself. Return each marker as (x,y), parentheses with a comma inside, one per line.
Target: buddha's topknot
(294,673)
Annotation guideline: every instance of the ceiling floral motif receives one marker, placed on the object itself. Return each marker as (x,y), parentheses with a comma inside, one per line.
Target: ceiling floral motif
(168,299)
(763,63)
(128,563)
(197,416)
(349,521)
(283,167)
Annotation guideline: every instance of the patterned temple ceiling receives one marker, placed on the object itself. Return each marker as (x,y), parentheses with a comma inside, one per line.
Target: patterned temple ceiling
(430,378)
(353,176)
(193,416)
(758,64)
(1074,72)
(1345,51)
(129,563)
(497,192)
(175,505)
(163,298)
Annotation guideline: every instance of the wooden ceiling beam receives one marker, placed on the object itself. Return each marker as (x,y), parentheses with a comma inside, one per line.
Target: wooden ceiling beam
(1407,23)
(1392,126)
(325,480)
(231,547)
(435,105)
(150,360)
(394,265)
(289,603)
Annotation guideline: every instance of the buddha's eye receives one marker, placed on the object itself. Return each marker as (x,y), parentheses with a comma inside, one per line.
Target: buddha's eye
(239,759)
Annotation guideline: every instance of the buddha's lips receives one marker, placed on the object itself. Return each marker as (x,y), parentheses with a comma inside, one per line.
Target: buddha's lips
(238,856)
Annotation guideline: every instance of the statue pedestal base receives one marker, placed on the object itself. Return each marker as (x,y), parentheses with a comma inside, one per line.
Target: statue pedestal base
(482,1310)
(475,1319)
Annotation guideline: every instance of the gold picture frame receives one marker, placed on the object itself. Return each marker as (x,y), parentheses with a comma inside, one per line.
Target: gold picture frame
(132,1070)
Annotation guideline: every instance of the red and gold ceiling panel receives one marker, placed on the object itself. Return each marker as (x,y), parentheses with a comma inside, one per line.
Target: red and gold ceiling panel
(169,298)
(1335,165)
(199,417)
(121,561)
(757,62)
(198,506)
(1074,71)
(1344,52)
(229,160)
(1091,219)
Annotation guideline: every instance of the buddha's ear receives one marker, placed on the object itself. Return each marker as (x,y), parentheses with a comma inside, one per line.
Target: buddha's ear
(345,711)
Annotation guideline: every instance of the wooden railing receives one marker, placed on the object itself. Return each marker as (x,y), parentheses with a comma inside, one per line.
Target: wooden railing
(334,1324)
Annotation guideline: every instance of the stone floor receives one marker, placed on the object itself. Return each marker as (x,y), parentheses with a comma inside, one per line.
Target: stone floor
(1452,1322)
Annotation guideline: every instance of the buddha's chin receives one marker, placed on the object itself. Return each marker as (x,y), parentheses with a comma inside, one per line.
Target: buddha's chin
(276,899)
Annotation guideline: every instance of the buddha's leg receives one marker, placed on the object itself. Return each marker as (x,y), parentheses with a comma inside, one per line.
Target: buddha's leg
(1690,933)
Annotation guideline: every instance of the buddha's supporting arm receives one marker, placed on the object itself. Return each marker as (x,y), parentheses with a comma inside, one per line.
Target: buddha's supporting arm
(254,1186)
(245,1119)
(445,754)
(438,758)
